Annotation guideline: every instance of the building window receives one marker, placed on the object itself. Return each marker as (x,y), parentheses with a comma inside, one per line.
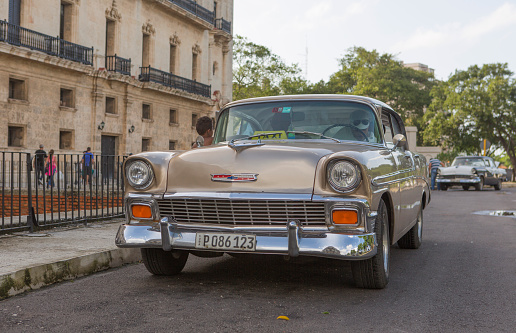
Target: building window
(65,24)
(173,116)
(111,105)
(194,66)
(173,53)
(67,98)
(15,136)
(194,119)
(110,37)
(65,139)
(17,89)
(146,111)
(146,144)
(146,51)
(171,145)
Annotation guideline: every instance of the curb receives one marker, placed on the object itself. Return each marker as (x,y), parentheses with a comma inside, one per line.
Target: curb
(46,274)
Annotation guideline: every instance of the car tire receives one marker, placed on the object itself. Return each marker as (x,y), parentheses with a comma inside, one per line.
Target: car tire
(159,262)
(444,187)
(413,238)
(480,186)
(373,273)
(498,186)
(465,187)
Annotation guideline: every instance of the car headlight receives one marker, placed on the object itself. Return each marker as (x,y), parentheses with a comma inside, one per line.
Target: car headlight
(139,174)
(343,176)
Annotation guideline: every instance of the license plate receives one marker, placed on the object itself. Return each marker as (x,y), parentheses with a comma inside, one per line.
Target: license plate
(221,241)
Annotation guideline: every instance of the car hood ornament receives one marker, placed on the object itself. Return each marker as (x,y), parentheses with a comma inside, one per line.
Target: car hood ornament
(234,177)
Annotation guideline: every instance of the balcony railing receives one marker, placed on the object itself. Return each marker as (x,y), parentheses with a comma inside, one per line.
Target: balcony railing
(223,25)
(174,81)
(195,9)
(19,36)
(118,64)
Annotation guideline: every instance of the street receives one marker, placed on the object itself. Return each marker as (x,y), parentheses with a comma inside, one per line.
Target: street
(462,279)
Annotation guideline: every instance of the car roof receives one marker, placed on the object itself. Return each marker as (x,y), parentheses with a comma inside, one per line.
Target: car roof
(309,97)
(484,157)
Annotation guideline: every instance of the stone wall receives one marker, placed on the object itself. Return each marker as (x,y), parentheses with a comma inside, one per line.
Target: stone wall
(43,116)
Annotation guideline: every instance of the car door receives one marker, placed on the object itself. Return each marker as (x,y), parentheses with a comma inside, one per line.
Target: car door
(409,193)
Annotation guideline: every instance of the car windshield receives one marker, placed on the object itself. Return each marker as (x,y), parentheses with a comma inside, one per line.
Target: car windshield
(468,162)
(284,120)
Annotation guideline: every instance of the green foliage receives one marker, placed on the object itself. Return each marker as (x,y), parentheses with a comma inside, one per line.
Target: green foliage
(381,76)
(258,72)
(475,104)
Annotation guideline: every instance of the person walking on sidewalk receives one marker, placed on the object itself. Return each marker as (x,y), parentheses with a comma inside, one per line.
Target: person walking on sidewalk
(433,166)
(39,164)
(50,168)
(87,164)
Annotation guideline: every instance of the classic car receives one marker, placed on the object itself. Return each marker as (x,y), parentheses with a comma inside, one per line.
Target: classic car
(326,176)
(467,171)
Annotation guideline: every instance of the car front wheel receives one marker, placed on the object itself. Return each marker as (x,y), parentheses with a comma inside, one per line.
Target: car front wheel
(498,186)
(373,273)
(159,262)
(465,187)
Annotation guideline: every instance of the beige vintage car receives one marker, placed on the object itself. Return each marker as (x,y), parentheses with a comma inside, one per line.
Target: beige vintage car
(326,176)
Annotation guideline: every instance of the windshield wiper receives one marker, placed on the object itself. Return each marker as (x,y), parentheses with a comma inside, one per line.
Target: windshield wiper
(315,133)
(280,132)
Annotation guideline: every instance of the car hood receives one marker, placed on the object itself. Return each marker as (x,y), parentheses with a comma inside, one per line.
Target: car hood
(279,168)
(456,170)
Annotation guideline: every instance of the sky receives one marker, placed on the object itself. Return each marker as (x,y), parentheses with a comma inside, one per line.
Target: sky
(445,35)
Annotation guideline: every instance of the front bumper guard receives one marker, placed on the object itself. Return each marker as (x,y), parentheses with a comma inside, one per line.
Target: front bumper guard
(293,242)
(475,180)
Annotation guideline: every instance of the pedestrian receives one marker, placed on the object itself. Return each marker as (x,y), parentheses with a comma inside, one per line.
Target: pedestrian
(204,128)
(38,163)
(433,166)
(87,164)
(50,168)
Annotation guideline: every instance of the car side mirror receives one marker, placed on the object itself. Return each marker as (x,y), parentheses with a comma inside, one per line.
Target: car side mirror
(399,140)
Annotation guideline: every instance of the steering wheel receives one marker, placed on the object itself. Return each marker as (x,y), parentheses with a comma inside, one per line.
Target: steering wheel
(353,128)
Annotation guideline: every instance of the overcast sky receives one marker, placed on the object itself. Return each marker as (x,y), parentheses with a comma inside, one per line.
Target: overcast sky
(444,34)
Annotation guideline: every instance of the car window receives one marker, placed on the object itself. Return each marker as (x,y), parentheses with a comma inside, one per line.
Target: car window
(286,119)
(386,122)
(478,162)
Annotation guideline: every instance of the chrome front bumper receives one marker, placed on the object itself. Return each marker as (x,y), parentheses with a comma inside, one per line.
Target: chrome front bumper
(292,241)
(475,180)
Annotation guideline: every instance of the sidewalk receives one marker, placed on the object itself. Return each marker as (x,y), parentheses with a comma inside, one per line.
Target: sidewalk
(30,261)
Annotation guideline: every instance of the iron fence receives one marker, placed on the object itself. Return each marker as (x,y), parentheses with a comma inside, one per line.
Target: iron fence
(33,195)
(19,36)
(223,25)
(168,79)
(118,64)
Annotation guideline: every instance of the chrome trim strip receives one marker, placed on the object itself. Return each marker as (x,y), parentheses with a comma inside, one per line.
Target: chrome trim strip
(376,180)
(237,195)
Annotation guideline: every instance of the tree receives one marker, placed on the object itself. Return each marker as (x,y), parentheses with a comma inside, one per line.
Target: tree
(381,76)
(475,104)
(258,72)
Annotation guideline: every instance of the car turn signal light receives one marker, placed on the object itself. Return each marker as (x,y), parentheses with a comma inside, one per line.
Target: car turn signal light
(141,211)
(345,217)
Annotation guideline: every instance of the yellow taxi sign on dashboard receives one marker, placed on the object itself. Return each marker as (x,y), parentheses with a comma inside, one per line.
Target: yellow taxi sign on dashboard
(269,135)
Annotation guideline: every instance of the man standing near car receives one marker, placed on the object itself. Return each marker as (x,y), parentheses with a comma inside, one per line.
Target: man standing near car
(433,166)
(39,164)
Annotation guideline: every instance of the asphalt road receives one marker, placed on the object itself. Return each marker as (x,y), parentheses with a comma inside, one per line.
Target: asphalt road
(462,279)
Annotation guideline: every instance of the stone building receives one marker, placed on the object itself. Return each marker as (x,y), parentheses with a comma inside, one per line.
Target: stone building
(120,76)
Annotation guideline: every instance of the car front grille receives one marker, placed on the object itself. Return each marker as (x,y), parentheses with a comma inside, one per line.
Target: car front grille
(243,212)
(457,176)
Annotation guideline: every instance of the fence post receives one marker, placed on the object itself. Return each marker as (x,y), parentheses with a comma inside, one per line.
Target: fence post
(30,212)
